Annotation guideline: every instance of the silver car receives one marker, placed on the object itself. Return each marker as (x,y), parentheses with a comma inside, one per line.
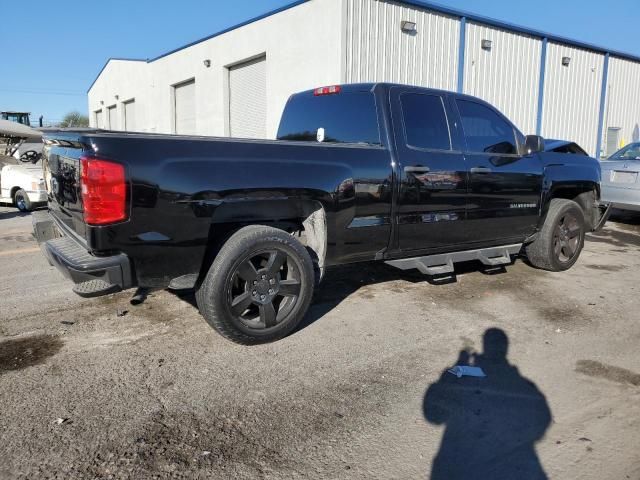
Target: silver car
(621,178)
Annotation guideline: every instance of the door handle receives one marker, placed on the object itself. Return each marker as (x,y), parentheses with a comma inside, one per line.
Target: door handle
(417,169)
(481,170)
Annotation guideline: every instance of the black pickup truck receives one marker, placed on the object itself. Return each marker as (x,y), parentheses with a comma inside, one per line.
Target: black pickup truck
(414,177)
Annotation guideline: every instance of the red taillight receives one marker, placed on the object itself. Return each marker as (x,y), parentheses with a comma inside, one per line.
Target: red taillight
(327,90)
(104,191)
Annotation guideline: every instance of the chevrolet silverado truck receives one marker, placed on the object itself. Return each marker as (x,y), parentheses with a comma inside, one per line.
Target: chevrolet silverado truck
(414,177)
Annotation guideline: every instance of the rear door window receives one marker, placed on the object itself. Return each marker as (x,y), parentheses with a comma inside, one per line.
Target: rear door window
(485,130)
(346,117)
(425,121)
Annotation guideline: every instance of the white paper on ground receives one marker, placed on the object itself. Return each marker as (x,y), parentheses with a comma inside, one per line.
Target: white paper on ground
(466,371)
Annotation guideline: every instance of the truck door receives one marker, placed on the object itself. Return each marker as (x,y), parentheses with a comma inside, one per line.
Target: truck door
(504,186)
(433,174)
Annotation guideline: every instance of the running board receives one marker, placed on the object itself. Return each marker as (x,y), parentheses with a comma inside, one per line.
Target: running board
(443,264)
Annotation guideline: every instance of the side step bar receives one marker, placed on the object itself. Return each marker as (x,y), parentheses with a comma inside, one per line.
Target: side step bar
(443,264)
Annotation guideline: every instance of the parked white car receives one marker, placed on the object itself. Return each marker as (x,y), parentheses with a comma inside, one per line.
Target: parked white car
(621,178)
(22,183)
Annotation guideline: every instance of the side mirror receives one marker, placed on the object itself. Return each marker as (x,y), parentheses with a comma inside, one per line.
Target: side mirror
(533,144)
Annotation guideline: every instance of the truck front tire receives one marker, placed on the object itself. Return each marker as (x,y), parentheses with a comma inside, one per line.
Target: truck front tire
(561,239)
(22,202)
(259,286)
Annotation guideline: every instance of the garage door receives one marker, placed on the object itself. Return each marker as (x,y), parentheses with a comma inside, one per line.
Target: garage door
(248,99)
(99,123)
(130,116)
(185,108)
(111,115)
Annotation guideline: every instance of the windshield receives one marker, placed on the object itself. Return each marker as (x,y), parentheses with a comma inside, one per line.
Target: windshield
(630,152)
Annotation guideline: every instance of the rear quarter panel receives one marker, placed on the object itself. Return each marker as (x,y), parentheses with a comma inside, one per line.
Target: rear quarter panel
(184,190)
(569,173)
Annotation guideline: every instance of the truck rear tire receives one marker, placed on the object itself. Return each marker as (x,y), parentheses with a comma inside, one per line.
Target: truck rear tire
(259,286)
(22,202)
(561,239)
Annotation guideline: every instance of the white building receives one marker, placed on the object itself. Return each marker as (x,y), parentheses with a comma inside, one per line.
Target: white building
(236,82)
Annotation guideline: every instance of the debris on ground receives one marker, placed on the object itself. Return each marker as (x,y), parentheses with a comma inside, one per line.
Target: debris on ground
(466,371)
(139,297)
(121,313)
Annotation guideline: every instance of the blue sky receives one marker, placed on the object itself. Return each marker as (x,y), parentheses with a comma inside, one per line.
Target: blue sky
(58,47)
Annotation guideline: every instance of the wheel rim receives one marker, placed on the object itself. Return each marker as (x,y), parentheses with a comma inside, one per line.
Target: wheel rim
(566,240)
(264,289)
(20,203)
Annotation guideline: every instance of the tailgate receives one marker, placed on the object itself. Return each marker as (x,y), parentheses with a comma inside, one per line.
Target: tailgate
(61,165)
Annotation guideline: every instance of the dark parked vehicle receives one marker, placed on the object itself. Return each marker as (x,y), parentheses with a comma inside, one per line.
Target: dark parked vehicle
(358,173)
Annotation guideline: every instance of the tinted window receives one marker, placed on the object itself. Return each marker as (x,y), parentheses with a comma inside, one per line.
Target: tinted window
(345,117)
(485,130)
(425,121)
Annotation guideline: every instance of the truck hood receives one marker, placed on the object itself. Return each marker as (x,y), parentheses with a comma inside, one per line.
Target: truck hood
(30,170)
(570,160)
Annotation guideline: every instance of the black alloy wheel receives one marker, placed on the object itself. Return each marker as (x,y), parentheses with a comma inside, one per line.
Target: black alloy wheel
(566,239)
(259,286)
(263,289)
(559,242)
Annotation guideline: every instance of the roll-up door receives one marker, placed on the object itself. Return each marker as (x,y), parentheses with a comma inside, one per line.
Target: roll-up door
(99,122)
(112,116)
(185,108)
(248,99)
(130,116)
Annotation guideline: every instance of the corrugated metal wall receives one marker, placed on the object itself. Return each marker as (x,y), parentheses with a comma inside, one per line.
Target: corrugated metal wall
(622,108)
(379,51)
(507,75)
(572,95)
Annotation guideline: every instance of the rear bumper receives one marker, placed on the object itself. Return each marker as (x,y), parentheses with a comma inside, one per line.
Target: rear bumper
(621,197)
(73,260)
(635,207)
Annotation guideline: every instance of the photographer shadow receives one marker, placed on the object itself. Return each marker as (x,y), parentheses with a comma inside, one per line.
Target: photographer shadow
(491,424)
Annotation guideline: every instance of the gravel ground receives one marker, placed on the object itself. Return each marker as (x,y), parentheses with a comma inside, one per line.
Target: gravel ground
(102,389)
